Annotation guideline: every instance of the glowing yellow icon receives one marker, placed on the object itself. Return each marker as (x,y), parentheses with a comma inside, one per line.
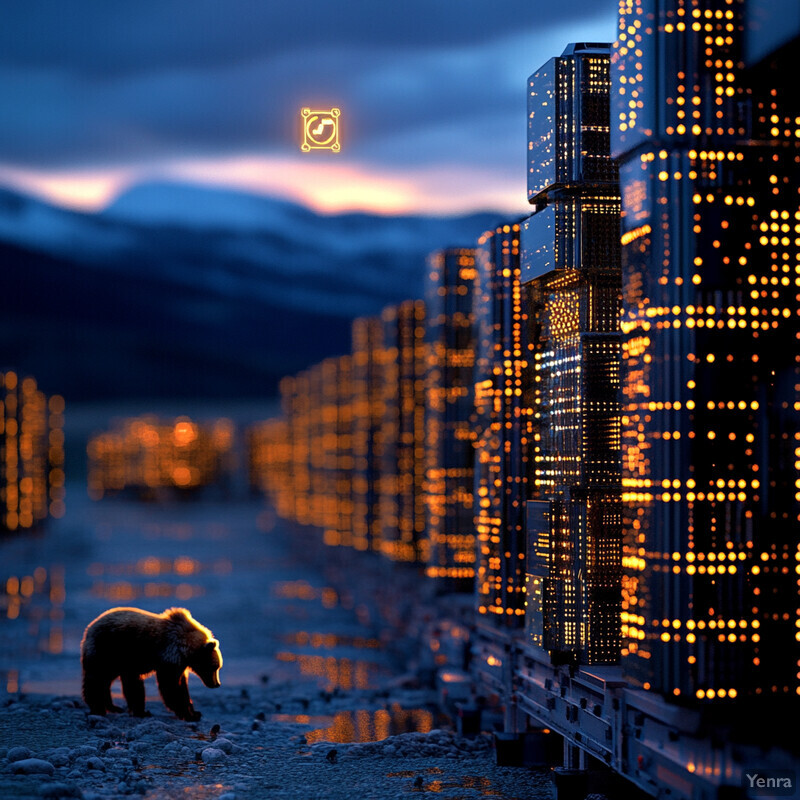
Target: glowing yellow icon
(320,130)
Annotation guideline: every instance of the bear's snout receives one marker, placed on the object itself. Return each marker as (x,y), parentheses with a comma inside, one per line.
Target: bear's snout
(213,681)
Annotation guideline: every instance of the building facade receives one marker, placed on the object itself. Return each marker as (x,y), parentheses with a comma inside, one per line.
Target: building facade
(571,281)
(708,150)
(502,420)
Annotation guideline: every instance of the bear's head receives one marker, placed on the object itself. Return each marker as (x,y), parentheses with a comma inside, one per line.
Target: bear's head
(207,662)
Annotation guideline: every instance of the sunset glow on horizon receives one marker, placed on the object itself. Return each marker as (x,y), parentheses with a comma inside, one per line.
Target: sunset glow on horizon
(327,187)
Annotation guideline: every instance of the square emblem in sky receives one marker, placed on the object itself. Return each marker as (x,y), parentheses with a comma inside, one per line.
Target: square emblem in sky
(320,130)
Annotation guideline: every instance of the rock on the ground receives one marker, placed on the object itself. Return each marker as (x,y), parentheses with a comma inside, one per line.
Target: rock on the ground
(33,766)
(59,757)
(223,744)
(213,755)
(18,753)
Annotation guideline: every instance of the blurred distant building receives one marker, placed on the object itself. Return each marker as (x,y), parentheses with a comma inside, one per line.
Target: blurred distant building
(269,447)
(146,455)
(709,168)
(402,440)
(571,283)
(292,498)
(502,421)
(367,419)
(338,395)
(31,453)
(450,404)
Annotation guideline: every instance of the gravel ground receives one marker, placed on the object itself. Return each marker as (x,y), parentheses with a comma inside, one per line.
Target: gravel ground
(242,749)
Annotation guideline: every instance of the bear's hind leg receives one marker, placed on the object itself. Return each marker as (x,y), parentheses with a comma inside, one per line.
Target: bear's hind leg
(175,694)
(133,689)
(97,693)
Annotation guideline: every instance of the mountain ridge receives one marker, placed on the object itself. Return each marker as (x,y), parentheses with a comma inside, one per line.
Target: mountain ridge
(257,301)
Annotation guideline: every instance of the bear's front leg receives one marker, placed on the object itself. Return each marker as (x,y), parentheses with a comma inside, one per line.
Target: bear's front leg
(97,692)
(133,689)
(175,694)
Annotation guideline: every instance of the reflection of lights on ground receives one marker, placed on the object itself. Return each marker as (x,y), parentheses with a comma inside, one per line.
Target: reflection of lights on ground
(467,782)
(125,591)
(11,680)
(205,791)
(362,725)
(151,566)
(302,590)
(33,606)
(330,640)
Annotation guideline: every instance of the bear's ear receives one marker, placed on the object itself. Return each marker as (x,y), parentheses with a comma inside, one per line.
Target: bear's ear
(211,644)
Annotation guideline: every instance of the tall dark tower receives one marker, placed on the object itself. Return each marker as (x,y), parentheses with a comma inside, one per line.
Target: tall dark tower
(571,279)
(708,149)
(450,392)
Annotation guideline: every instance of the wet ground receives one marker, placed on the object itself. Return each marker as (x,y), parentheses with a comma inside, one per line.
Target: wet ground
(306,667)
(229,563)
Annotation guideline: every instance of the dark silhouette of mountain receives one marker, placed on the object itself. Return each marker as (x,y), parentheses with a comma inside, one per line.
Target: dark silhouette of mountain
(180,291)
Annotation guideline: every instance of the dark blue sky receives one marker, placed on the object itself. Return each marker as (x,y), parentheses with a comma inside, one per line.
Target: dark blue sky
(99,95)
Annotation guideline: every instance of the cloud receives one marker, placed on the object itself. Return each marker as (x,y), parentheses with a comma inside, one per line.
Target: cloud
(98,38)
(450,96)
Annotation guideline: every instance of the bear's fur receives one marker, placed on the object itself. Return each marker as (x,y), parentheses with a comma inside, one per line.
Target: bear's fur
(130,644)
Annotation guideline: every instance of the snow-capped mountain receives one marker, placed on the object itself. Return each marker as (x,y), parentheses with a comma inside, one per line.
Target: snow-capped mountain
(173,282)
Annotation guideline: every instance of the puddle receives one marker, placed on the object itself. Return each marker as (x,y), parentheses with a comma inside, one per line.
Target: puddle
(363,725)
(467,782)
(448,786)
(197,791)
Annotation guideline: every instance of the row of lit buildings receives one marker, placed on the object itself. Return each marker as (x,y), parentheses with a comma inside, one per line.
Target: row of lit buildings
(592,420)
(31,453)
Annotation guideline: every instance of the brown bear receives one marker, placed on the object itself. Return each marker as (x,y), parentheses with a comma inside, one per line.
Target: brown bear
(130,644)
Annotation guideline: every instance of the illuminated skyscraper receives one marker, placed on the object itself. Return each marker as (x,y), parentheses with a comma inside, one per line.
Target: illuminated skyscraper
(571,277)
(711,267)
(502,421)
(450,457)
